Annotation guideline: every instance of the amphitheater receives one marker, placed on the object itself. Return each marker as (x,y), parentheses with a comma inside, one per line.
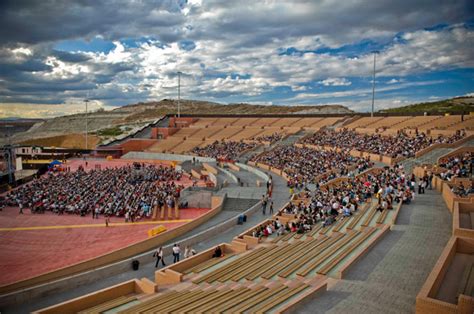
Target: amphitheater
(416,257)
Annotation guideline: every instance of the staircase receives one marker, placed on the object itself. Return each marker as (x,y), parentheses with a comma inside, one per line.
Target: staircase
(292,139)
(343,122)
(431,157)
(288,141)
(238,204)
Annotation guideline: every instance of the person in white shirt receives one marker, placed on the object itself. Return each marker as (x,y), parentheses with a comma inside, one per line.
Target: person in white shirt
(159,256)
(176,252)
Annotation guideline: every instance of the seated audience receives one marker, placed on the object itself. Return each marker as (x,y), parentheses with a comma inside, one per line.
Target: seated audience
(126,191)
(401,145)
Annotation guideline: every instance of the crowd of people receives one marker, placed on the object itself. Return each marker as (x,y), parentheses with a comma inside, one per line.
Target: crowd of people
(330,204)
(223,150)
(459,166)
(400,145)
(463,190)
(272,138)
(306,165)
(128,191)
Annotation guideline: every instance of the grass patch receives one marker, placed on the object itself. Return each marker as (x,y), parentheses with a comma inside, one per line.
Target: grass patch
(465,104)
(114,131)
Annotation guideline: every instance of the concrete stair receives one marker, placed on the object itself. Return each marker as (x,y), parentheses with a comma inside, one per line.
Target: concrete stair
(431,157)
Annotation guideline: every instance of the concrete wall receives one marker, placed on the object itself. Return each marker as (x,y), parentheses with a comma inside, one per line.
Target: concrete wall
(134,286)
(174,273)
(426,301)
(135,144)
(436,146)
(255,171)
(163,156)
(457,152)
(229,174)
(200,199)
(459,209)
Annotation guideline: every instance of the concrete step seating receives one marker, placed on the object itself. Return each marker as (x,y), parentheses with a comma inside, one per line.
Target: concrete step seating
(242,296)
(278,299)
(369,217)
(224,300)
(284,237)
(258,261)
(381,218)
(219,295)
(255,300)
(109,305)
(162,299)
(316,230)
(356,219)
(341,223)
(284,254)
(288,262)
(233,264)
(336,226)
(321,258)
(208,264)
(335,260)
(301,261)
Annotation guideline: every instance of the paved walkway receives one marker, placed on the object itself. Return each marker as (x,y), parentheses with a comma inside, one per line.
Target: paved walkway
(49,241)
(389,277)
(280,197)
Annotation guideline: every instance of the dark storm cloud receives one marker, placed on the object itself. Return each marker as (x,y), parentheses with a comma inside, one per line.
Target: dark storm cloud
(26,75)
(27,66)
(249,25)
(34,22)
(240,36)
(70,57)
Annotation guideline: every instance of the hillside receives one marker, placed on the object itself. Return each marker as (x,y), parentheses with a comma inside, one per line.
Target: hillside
(113,122)
(153,110)
(458,104)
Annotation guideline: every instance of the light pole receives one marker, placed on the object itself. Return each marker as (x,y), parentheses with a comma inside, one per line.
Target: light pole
(8,155)
(179,94)
(373,87)
(87,123)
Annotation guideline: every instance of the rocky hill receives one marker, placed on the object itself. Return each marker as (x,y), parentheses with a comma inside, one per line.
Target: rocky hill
(131,116)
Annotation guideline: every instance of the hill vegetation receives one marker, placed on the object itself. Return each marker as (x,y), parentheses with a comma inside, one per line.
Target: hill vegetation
(458,104)
(154,110)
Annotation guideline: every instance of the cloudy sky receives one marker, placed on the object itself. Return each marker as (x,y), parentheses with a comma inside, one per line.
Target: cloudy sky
(55,53)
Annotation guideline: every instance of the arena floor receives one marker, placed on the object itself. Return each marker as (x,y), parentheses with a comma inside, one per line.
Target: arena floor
(49,242)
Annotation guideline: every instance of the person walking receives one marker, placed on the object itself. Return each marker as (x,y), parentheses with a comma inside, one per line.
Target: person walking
(176,252)
(264,204)
(159,256)
(271,207)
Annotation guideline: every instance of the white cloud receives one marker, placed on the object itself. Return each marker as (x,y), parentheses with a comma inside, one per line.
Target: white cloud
(364,91)
(335,82)
(237,51)
(393,81)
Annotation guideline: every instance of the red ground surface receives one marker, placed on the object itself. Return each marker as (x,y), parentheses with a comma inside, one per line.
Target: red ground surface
(28,253)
